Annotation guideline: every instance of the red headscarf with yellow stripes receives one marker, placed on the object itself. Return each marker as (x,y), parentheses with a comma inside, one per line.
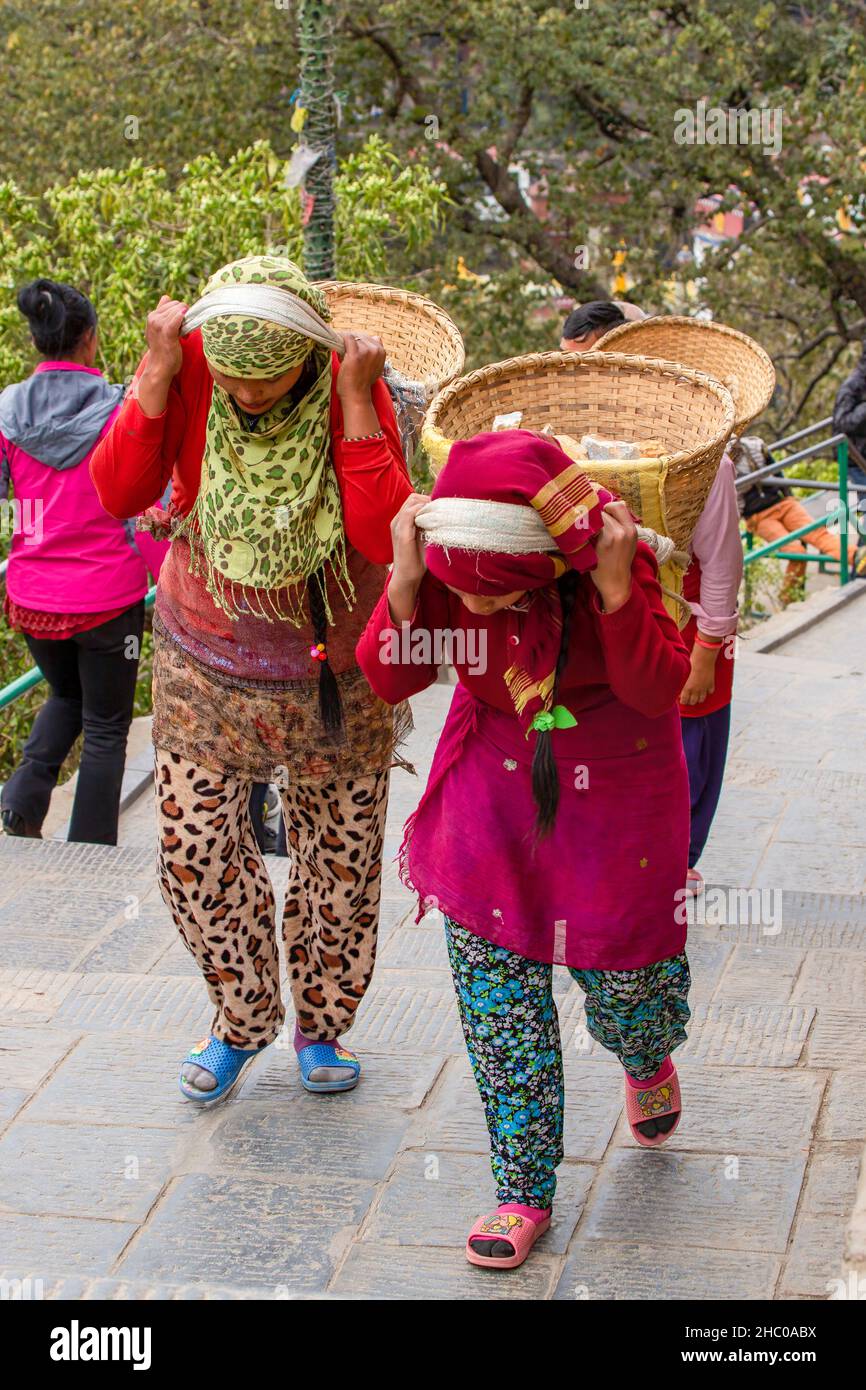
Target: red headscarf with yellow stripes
(519,466)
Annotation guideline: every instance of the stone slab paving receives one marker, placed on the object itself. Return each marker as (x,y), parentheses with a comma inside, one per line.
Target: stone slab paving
(111,1172)
(112,1191)
(825,1206)
(739,1201)
(236,1231)
(445,1189)
(835,633)
(640,1270)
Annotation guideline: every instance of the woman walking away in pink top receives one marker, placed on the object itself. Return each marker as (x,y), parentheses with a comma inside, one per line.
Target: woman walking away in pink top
(76,581)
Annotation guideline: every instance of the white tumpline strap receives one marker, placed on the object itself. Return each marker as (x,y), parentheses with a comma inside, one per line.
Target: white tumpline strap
(268,302)
(275,304)
(458,523)
(509,528)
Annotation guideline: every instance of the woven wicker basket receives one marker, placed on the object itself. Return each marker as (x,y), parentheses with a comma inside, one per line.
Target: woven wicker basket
(734,359)
(421,341)
(608,394)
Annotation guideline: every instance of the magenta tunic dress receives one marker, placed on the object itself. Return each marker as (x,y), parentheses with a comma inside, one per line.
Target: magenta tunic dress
(604,889)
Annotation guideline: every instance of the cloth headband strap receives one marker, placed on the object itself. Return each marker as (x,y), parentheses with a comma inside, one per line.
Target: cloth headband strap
(469,523)
(266,302)
(508,528)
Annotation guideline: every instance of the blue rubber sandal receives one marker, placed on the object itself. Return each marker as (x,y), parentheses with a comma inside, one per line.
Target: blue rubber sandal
(328,1055)
(223,1061)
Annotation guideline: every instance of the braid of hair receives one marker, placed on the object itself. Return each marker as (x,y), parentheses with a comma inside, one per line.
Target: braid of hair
(545,777)
(330,705)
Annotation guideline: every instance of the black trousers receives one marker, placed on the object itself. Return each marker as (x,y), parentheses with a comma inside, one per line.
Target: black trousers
(92,681)
(257,816)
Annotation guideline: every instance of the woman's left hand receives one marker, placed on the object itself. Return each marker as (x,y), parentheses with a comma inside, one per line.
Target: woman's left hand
(362,364)
(615,548)
(702,678)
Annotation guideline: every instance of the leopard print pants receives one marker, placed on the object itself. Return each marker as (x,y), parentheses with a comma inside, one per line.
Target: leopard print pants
(213,878)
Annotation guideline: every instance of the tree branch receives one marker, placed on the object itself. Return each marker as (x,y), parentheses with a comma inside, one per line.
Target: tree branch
(522,114)
(847,335)
(406,79)
(827,367)
(610,120)
(526,233)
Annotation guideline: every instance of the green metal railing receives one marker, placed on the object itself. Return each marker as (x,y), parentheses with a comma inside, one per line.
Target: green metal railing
(26,681)
(773,476)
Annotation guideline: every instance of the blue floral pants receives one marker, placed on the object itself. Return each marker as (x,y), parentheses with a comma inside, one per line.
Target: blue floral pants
(511,1029)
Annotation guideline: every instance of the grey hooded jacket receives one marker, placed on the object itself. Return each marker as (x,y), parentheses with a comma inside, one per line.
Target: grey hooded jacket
(56,417)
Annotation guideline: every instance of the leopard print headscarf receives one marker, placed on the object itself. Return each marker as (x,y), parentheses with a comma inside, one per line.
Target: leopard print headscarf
(268,512)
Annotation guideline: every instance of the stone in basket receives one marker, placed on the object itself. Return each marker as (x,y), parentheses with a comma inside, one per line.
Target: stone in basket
(687,414)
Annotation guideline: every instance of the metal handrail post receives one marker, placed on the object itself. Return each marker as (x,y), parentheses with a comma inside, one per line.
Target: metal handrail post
(26,681)
(801,434)
(842,456)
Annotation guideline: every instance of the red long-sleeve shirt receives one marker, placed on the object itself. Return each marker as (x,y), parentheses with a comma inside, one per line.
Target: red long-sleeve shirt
(634,654)
(132,465)
(131,469)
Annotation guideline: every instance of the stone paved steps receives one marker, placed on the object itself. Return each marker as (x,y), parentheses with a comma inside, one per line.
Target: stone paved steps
(111,1192)
(118,1194)
(69,1288)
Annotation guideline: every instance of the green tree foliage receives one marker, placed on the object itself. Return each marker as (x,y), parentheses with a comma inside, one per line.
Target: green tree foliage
(89,83)
(552,124)
(581,103)
(126,236)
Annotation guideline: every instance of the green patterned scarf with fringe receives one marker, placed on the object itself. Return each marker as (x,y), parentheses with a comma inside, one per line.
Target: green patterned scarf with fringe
(268,512)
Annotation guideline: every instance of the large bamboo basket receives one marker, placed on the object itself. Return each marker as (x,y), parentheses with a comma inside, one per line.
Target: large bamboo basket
(609,394)
(420,339)
(733,358)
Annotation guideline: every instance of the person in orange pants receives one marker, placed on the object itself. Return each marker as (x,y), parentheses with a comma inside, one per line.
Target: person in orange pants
(789,515)
(773,514)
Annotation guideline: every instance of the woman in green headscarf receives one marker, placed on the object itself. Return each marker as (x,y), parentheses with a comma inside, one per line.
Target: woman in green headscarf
(286,468)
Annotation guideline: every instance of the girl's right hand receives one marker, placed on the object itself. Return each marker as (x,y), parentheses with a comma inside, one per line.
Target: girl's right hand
(408,543)
(165,357)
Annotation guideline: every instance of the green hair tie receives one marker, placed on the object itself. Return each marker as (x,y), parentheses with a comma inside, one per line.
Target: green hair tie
(557,718)
(543,722)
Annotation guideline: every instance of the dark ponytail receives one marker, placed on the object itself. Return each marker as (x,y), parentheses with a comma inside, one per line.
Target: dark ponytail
(58,315)
(330,705)
(545,777)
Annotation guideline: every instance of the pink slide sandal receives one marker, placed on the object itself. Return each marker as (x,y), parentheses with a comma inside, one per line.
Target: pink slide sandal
(652,1104)
(520,1232)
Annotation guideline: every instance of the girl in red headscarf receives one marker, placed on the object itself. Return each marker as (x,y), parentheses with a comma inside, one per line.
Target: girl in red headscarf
(555,824)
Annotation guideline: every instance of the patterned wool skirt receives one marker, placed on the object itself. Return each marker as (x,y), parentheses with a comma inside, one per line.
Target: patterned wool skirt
(269,731)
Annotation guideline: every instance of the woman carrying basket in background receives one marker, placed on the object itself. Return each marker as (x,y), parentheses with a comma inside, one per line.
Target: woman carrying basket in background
(711,587)
(554,827)
(287,470)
